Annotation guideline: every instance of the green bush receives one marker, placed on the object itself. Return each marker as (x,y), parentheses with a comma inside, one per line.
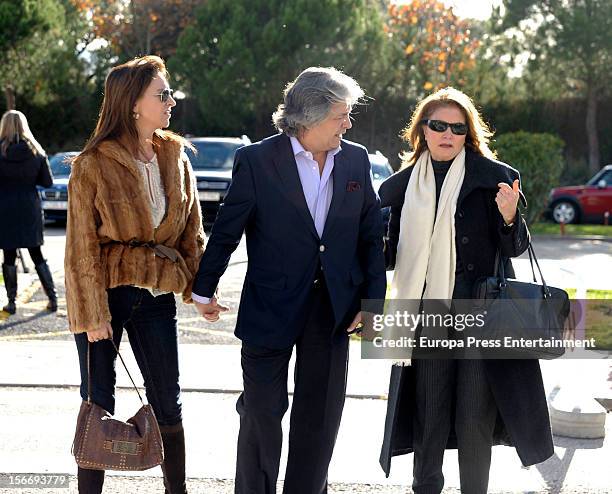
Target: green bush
(539,159)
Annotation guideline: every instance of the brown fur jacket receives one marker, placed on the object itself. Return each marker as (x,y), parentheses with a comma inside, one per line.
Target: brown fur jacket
(108,204)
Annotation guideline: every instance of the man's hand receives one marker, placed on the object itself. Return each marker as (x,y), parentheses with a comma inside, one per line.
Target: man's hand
(211,311)
(364,321)
(356,325)
(103,332)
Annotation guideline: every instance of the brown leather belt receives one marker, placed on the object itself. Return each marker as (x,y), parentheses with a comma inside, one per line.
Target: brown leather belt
(160,250)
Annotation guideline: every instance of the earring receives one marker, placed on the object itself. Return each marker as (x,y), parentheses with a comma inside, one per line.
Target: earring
(136,115)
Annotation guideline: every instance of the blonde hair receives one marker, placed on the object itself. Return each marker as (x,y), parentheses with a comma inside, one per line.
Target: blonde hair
(478,135)
(13,129)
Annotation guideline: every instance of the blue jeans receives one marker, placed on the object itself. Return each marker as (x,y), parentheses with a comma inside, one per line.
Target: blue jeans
(151,326)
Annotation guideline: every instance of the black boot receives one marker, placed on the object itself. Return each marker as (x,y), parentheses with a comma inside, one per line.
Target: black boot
(173,438)
(10,283)
(90,481)
(46,280)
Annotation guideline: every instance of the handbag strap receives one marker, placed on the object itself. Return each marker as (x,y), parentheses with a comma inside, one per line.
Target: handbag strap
(500,273)
(531,264)
(124,366)
(544,285)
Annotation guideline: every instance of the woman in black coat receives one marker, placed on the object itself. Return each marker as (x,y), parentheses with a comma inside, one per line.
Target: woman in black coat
(452,208)
(23,166)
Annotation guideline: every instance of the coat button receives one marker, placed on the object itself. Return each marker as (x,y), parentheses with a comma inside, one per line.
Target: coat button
(470,267)
(321,248)
(460,214)
(464,240)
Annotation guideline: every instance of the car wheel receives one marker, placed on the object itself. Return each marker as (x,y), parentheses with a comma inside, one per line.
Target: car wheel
(565,212)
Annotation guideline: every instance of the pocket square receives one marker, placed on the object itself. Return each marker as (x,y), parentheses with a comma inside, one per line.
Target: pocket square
(352,186)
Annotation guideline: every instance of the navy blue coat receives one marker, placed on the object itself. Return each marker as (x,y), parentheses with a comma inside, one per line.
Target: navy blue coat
(20,211)
(266,201)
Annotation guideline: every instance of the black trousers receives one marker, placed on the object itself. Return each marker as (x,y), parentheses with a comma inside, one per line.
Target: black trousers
(318,400)
(446,391)
(10,256)
(150,323)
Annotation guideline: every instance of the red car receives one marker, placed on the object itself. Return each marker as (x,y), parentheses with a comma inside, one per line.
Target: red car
(583,203)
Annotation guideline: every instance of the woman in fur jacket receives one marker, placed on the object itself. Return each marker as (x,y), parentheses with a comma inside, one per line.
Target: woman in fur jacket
(134,238)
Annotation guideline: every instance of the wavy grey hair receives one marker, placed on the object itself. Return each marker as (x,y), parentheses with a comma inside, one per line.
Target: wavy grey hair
(309,98)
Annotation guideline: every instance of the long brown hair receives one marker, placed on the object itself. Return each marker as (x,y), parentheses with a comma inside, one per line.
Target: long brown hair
(124,84)
(13,129)
(477,138)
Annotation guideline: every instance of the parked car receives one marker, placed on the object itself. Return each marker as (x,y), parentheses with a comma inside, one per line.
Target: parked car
(582,203)
(212,166)
(381,169)
(55,198)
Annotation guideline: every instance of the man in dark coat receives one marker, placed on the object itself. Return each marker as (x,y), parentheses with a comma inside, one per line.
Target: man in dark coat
(516,385)
(314,231)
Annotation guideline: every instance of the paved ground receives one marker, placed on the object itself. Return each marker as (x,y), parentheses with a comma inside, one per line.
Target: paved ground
(47,417)
(579,264)
(117,485)
(39,399)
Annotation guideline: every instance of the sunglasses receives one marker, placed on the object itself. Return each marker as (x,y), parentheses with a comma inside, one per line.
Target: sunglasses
(459,129)
(165,95)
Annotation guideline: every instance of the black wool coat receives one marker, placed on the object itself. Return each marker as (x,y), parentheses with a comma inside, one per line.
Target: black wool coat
(21,219)
(517,386)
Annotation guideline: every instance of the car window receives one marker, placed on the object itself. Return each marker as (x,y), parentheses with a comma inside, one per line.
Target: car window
(601,175)
(213,155)
(381,171)
(59,166)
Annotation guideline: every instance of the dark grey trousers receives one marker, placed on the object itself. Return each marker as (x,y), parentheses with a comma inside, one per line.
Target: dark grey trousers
(447,390)
(318,400)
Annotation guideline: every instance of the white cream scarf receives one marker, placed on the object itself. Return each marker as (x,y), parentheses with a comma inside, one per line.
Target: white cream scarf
(423,268)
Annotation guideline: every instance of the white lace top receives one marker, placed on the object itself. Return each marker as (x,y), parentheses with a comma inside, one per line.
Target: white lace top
(154,186)
(155,189)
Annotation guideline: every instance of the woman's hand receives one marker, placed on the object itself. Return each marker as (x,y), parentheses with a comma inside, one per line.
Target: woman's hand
(507,200)
(103,332)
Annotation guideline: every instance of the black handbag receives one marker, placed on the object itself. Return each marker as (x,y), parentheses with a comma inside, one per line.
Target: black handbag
(526,318)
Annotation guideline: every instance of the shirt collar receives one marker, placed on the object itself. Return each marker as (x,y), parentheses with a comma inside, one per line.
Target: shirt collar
(298,148)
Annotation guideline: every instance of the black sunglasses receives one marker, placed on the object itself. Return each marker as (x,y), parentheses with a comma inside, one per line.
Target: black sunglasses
(459,129)
(165,95)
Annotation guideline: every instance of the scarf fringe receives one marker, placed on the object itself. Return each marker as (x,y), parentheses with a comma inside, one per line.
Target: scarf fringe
(403,363)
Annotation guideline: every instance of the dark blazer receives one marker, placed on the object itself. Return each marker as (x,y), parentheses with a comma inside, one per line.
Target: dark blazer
(20,172)
(266,200)
(517,386)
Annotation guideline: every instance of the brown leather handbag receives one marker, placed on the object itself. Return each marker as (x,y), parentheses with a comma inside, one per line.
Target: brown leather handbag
(104,443)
